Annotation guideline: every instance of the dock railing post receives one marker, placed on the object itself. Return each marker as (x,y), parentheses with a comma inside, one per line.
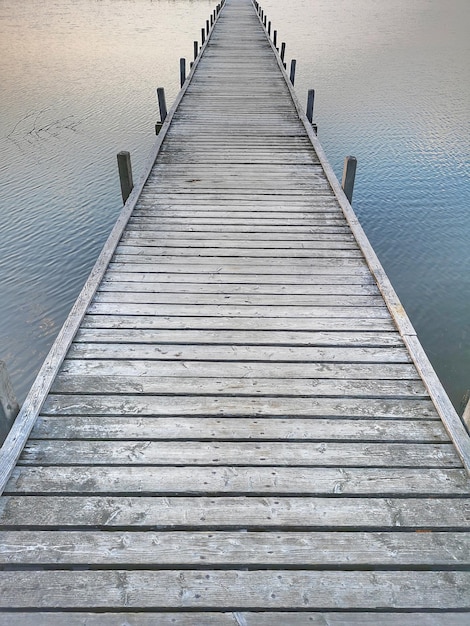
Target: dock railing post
(310,101)
(162,103)
(207,27)
(349,174)
(293,64)
(203,36)
(9,407)
(269,28)
(196,48)
(275,39)
(283,50)
(182,71)
(125,174)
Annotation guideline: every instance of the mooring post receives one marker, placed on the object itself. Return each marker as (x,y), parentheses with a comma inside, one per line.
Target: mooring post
(349,174)
(264,21)
(196,47)
(207,27)
(283,50)
(310,101)
(293,63)
(212,20)
(8,403)
(203,36)
(162,103)
(269,28)
(182,71)
(125,174)
(275,39)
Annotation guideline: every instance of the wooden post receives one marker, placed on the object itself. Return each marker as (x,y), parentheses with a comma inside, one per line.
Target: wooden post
(283,50)
(293,63)
(196,47)
(207,27)
(203,36)
(8,404)
(264,21)
(125,174)
(269,28)
(349,174)
(275,39)
(212,19)
(182,71)
(466,415)
(310,101)
(162,103)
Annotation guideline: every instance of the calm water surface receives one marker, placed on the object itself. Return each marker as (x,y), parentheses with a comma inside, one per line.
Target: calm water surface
(78,85)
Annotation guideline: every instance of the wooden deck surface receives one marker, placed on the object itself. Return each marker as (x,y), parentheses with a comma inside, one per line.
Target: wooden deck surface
(242,430)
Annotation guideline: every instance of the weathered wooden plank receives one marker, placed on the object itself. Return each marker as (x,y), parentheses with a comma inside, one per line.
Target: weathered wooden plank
(221,322)
(230,352)
(242,337)
(133,242)
(265,481)
(333,267)
(252,549)
(147,252)
(224,589)
(282,453)
(213,238)
(209,369)
(128,281)
(227,310)
(258,618)
(215,299)
(136,404)
(239,387)
(254,512)
(112,427)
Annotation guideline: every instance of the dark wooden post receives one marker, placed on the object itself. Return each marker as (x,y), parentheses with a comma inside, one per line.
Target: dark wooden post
(207,27)
(212,19)
(293,63)
(9,407)
(283,50)
(203,36)
(125,174)
(275,39)
(264,21)
(162,103)
(182,71)
(196,47)
(269,28)
(349,174)
(310,101)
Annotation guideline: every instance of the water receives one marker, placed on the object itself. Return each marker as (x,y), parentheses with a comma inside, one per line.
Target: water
(78,85)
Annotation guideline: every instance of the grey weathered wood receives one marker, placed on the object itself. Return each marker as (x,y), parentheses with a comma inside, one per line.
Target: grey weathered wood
(9,406)
(299,454)
(265,481)
(349,175)
(182,71)
(315,549)
(258,618)
(223,589)
(125,174)
(241,429)
(241,512)
(135,404)
(162,103)
(293,64)
(310,103)
(216,386)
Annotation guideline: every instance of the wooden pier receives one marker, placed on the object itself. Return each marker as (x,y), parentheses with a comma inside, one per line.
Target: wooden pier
(237,424)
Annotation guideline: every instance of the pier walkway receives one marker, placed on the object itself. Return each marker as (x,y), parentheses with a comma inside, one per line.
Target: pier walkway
(237,424)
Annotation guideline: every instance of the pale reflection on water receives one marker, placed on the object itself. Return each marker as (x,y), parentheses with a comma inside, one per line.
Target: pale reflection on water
(78,82)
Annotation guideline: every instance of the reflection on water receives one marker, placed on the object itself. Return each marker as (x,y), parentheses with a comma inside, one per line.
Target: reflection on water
(78,80)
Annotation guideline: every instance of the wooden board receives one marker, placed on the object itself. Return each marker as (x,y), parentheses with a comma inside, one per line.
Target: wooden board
(237,424)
